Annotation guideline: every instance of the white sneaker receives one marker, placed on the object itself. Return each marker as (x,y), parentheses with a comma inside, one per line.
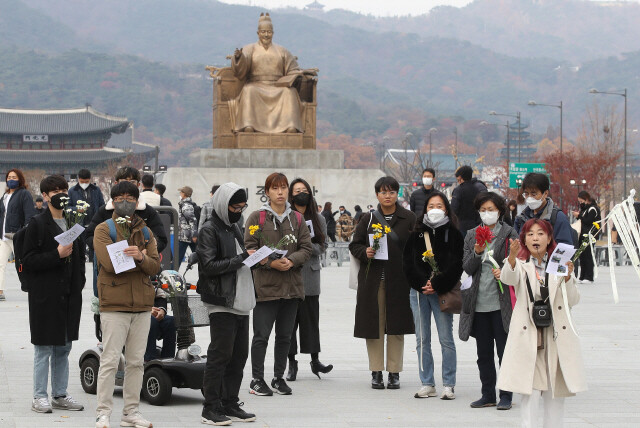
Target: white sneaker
(426,391)
(448,394)
(66,403)
(41,405)
(102,421)
(135,419)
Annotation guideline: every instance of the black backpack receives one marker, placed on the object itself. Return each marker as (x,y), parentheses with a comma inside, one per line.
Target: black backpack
(24,275)
(196,211)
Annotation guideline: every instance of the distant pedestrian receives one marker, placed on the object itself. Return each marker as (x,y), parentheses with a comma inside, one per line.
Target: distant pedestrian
(370,208)
(160,188)
(463,196)
(91,194)
(16,210)
(188,222)
(39,205)
(588,214)
(416,201)
(358,215)
(342,210)
(382,302)
(207,209)
(331,221)
(147,194)
(512,212)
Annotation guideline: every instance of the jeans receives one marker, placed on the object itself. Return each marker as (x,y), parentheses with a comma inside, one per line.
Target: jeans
(487,329)
(165,330)
(282,313)
(58,357)
(226,358)
(6,248)
(182,249)
(422,306)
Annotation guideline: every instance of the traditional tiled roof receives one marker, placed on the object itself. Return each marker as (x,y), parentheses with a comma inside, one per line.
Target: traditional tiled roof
(61,156)
(66,121)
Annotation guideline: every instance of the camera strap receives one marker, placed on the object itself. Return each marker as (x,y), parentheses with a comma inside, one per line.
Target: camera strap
(544,289)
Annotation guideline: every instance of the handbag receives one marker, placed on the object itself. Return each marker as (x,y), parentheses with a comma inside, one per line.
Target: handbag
(451,301)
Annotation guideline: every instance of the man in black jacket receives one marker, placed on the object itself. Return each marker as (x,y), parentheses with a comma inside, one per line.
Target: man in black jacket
(463,197)
(160,189)
(419,197)
(226,288)
(144,211)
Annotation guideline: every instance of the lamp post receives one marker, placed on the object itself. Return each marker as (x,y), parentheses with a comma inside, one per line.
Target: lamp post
(455,131)
(579,185)
(431,132)
(533,104)
(622,93)
(517,116)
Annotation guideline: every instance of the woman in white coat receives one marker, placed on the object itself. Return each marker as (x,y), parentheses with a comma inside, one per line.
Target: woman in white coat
(545,361)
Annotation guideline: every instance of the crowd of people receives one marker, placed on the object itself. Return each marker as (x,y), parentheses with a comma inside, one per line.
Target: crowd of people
(409,264)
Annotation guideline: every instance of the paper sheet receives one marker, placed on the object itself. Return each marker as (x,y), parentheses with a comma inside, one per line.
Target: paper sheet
(119,260)
(257,256)
(281,253)
(310,224)
(558,262)
(467,283)
(383,251)
(66,238)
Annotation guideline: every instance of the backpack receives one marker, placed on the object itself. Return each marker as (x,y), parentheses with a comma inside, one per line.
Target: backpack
(197,210)
(25,276)
(113,233)
(575,236)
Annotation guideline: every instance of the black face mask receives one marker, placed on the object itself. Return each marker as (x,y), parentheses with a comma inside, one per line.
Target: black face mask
(301,199)
(583,205)
(57,200)
(234,217)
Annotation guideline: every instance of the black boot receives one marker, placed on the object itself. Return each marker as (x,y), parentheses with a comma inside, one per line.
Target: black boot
(377,381)
(292,373)
(318,367)
(394,381)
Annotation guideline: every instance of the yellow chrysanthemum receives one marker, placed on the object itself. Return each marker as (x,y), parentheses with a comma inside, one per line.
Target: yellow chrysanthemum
(597,226)
(376,226)
(387,229)
(253,229)
(427,253)
(377,235)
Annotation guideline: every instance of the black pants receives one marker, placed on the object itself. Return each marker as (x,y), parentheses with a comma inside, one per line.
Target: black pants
(226,358)
(586,265)
(282,313)
(165,330)
(487,329)
(308,318)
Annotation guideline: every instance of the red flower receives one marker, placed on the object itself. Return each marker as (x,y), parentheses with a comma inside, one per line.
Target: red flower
(483,235)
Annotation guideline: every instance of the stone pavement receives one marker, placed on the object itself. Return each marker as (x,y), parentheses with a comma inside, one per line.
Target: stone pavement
(343,398)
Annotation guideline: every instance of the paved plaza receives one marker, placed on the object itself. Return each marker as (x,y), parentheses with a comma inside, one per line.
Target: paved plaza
(343,398)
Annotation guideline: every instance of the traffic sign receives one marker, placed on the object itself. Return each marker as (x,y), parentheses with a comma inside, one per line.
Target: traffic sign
(518,170)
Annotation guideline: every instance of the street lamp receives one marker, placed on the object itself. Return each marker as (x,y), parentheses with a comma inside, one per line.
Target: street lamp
(431,132)
(622,93)
(533,104)
(582,183)
(517,116)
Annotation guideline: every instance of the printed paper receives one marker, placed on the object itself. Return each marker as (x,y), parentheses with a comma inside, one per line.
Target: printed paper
(70,235)
(120,261)
(257,256)
(383,251)
(557,264)
(310,224)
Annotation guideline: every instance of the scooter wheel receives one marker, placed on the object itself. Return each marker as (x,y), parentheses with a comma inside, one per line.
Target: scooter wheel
(89,375)
(156,386)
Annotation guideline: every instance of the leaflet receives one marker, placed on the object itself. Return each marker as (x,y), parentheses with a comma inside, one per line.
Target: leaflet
(258,256)
(557,264)
(66,238)
(383,251)
(120,261)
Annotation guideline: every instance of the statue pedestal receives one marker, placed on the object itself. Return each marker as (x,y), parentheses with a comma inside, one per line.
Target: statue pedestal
(267,158)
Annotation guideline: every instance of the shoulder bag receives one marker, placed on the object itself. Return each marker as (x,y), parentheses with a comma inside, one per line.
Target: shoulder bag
(451,301)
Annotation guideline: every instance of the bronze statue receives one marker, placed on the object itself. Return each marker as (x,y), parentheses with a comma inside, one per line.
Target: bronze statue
(267,103)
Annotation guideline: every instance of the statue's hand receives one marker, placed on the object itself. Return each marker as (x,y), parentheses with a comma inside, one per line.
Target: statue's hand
(238,53)
(310,71)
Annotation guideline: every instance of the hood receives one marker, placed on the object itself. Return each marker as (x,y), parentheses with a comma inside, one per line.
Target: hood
(141,205)
(287,211)
(220,201)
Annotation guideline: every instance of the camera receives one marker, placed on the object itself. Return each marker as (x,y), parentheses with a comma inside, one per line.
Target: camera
(541,314)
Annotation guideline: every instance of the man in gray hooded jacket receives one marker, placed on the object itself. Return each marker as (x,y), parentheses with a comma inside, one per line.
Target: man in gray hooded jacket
(226,288)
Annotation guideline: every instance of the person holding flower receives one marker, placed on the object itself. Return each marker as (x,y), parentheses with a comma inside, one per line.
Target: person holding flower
(382,306)
(277,280)
(542,357)
(438,227)
(588,214)
(486,305)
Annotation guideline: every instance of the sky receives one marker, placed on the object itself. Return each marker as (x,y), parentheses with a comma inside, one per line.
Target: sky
(373,7)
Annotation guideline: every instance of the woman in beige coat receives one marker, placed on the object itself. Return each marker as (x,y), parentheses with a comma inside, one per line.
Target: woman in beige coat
(546,363)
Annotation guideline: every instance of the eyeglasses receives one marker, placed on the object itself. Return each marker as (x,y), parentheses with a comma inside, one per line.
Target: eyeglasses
(238,209)
(122,199)
(391,193)
(533,194)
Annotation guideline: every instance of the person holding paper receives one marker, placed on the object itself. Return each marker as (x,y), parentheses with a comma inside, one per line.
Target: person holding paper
(382,306)
(438,228)
(126,300)
(542,357)
(56,279)
(278,281)
(225,285)
(308,315)
(486,305)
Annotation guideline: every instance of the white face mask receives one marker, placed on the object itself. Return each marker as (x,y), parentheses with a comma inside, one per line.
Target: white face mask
(533,203)
(435,215)
(84,185)
(489,217)
(427,181)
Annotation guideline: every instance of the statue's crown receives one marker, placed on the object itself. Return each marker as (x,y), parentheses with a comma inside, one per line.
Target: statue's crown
(264,18)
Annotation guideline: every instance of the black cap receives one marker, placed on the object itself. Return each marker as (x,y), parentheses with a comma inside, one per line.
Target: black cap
(239,197)
(39,199)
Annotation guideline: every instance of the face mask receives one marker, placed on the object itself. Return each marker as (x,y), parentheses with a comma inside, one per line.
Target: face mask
(427,181)
(533,203)
(124,208)
(234,217)
(84,186)
(301,199)
(435,215)
(583,205)
(13,184)
(489,217)
(57,202)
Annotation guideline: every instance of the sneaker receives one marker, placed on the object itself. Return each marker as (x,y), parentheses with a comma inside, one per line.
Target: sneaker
(41,405)
(448,394)
(102,421)
(211,416)
(280,386)
(236,414)
(483,402)
(66,403)
(260,387)
(135,419)
(505,403)
(426,392)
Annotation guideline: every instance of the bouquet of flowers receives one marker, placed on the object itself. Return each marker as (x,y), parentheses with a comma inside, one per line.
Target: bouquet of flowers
(124,224)
(379,233)
(588,239)
(73,216)
(484,237)
(284,241)
(428,257)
